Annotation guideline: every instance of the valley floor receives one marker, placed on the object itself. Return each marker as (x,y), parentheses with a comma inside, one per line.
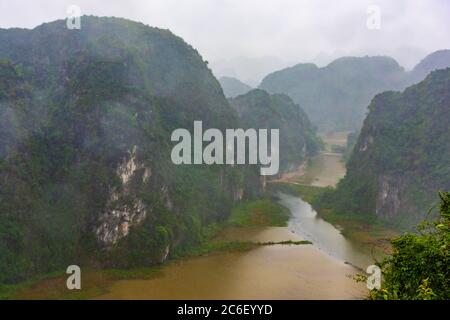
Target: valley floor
(325,170)
(255,256)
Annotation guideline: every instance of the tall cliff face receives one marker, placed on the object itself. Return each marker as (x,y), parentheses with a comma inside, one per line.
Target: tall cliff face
(260,110)
(336,96)
(401,159)
(85,168)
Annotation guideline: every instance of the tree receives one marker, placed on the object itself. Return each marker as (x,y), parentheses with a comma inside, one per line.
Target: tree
(419,268)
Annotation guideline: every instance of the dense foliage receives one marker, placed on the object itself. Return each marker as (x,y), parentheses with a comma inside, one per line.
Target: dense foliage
(260,110)
(77,104)
(336,96)
(419,267)
(402,155)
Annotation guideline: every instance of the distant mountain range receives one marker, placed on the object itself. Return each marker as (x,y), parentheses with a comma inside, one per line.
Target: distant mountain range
(86,118)
(401,159)
(233,87)
(336,96)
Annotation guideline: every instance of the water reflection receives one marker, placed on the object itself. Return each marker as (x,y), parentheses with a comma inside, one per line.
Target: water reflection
(306,224)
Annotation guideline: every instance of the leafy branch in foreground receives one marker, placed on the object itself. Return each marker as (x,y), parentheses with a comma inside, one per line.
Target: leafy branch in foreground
(419,268)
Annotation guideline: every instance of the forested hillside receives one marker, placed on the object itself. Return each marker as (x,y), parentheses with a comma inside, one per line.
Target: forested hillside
(336,96)
(401,159)
(298,140)
(85,170)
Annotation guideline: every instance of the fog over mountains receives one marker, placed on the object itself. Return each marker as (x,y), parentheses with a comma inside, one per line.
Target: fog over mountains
(400,160)
(91,118)
(86,120)
(233,87)
(336,96)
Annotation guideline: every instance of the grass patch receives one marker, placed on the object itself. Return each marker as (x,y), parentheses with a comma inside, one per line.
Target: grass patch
(94,283)
(259,213)
(287,242)
(145,273)
(307,193)
(52,286)
(367,231)
(207,248)
(7,291)
(232,246)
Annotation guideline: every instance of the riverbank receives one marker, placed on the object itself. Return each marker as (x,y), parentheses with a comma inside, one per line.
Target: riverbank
(273,269)
(253,255)
(372,236)
(323,172)
(257,225)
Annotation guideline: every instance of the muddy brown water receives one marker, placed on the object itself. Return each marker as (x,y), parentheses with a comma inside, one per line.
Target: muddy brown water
(317,271)
(269,272)
(333,169)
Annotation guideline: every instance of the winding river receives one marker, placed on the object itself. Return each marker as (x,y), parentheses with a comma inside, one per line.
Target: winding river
(307,225)
(315,271)
(322,270)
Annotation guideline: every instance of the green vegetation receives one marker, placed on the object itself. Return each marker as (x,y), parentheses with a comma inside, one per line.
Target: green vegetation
(233,87)
(419,266)
(401,157)
(259,213)
(307,193)
(260,110)
(112,95)
(287,242)
(336,96)
(352,138)
(71,130)
(95,281)
(53,285)
(211,247)
(368,232)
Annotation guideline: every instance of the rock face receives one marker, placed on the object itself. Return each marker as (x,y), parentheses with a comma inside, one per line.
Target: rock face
(388,199)
(120,215)
(400,161)
(86,118)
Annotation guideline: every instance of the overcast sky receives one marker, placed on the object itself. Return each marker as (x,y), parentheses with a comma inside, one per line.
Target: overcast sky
(248,38)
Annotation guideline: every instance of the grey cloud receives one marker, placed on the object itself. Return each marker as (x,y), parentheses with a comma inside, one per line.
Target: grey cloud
(248,38)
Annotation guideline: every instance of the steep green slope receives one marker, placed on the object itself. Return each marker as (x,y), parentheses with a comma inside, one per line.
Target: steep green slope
(335,97)
(85,169)
(233,87)
(437,60)
(260,110)
(402,155)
